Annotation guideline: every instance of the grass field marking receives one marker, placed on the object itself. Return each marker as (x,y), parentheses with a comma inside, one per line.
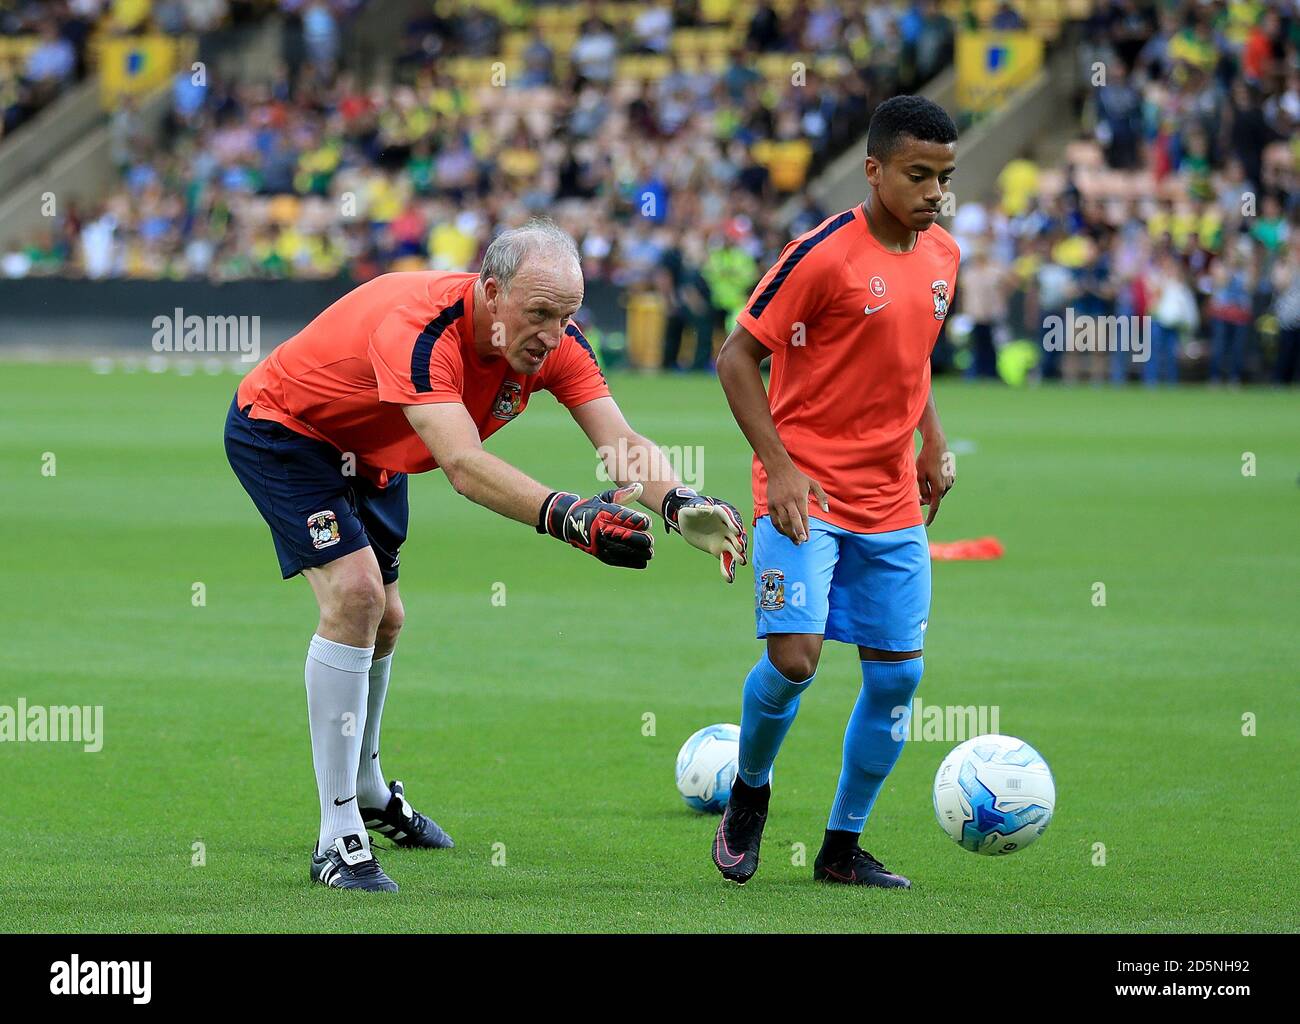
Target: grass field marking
(1248,723)
(498,854)
(943,723)
(498,598)
(198,594)
(198,854)
(1098,594)
(49,464)
(56,723)
(1248,464)
(648,723)
(1098,855)
(799,855)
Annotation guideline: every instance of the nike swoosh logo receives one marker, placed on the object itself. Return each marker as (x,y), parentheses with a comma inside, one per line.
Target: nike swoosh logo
(868,310)
(857,817)
(340,803)
(720,845)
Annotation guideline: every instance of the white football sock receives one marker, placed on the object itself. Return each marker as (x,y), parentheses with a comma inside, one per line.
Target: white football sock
(372,790)
(337,678)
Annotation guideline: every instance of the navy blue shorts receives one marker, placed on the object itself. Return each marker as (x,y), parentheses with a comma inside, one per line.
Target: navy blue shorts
(317,511)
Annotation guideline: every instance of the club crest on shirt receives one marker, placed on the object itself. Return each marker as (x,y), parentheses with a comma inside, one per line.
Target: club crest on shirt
(508,402)
(771,590)
(323,528)
(939,291)
(877,286)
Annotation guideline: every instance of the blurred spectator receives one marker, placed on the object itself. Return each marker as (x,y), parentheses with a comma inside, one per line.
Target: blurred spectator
(984,300)
(1230,316)
(1173,317)
(1119,124)
(688,302)
(1286,307)
(53,61)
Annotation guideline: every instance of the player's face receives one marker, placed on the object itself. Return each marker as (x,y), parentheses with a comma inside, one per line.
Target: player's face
(913,181)
(533,313)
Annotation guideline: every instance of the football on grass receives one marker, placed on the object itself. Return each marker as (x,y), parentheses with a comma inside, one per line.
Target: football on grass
(994,795)
(706,767)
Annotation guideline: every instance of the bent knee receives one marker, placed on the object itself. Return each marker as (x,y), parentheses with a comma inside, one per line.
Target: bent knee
(795,660)
(391,624)
(357,597)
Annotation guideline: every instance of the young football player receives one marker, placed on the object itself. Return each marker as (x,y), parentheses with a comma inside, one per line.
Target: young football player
(849,315)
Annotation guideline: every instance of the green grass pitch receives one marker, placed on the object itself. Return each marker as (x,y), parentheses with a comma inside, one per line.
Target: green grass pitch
(519,727)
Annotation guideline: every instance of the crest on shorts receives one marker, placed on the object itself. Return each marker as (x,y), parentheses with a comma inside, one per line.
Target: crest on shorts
(939,291)
(771,590)
(509,401)
(324,529)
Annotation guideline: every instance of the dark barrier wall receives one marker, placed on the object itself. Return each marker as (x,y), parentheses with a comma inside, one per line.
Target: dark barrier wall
(63,313)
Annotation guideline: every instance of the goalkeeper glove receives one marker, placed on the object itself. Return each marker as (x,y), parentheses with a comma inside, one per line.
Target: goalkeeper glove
(710,524)
(600,526)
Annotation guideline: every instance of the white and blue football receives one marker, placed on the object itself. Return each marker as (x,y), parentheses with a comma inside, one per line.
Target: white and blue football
(994,795)
(706,767)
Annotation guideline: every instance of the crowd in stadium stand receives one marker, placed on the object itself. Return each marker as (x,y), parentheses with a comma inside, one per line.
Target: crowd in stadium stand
(668,178)
(669,166)
(1182,205)
(44,43)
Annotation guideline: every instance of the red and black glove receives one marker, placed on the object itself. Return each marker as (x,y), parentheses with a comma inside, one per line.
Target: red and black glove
(600,526)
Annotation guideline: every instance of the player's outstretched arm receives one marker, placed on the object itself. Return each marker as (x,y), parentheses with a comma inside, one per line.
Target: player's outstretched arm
(710,524)
(600,526)
(787,488)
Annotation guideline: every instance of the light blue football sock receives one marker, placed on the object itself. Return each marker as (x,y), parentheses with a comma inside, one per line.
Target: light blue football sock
(873,739)
(767,710)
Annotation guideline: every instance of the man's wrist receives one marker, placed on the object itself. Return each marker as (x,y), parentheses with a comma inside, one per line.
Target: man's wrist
(552,512)
(674,499)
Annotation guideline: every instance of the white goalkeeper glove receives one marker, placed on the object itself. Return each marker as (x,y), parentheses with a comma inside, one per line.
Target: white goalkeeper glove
(710,524)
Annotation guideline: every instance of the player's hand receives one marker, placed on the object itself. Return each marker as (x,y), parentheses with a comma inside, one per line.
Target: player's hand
(710,524)
(787,501)
(935,474)
(600,526)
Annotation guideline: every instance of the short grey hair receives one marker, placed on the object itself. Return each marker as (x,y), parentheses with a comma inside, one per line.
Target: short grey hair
(509,248)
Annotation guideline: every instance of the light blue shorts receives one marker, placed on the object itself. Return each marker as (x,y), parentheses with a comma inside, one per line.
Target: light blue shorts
(871,589)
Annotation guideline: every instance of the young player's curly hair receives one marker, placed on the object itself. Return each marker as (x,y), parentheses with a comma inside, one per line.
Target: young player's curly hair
(907,116)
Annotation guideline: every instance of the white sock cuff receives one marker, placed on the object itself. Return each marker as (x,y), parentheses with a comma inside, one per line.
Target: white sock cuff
(381,664)
(340,656)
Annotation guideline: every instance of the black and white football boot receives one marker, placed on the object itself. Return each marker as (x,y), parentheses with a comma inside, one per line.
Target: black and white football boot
(854,866)
(349,864)
(404,825)
(740,832)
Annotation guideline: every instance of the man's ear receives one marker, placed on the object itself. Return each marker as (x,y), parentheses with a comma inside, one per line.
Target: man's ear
(873,171)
